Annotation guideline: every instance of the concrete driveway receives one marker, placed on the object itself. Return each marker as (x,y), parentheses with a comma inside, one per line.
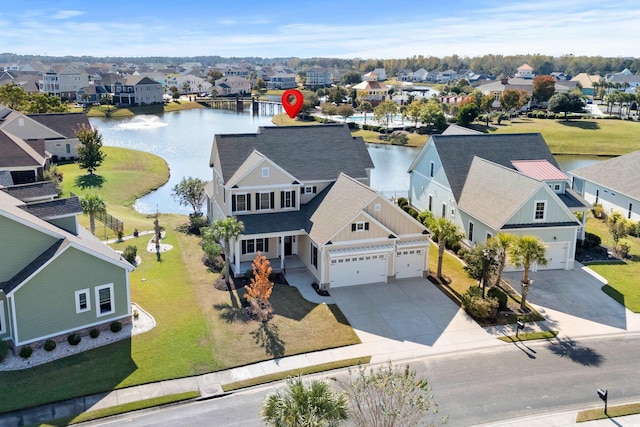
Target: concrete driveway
(410,316)
(573,303)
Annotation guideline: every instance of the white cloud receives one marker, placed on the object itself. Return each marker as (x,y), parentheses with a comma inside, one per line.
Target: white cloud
(66,14)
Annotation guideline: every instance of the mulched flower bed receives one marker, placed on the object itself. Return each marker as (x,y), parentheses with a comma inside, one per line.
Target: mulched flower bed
(319,291)
(240,282)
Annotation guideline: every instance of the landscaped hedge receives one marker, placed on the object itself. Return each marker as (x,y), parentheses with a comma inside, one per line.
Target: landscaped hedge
(49,345)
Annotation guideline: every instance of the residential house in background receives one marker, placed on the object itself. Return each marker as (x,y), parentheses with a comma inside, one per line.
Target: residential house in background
(419,75)
(136,90)
(381,74)
(499,183)
(586,81)
(525,71)
(405,75)
(233,85)
(302,194)
(613,184)
(55,278)
(318,77)
(64,81)
(376,92)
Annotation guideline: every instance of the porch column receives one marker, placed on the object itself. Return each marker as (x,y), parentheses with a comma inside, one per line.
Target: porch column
(282,253)
(236,253)
(584,225)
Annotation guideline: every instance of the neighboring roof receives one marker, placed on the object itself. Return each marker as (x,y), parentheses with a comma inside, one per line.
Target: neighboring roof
(573,200)
(310,153)
(541,170)
(62,123)
(370,85)
(54,208)
(16,152)
(586,80)
(620,174)
(453,129)
(525,66)
(489,185)
(456,153)
(34,190)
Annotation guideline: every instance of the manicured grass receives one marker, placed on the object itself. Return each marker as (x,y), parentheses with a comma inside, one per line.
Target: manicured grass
(621,276)
(612,412)
(528,336)
(415,140)
(122,409)
(295,372)
(112,181)
(284,120)
(598,137)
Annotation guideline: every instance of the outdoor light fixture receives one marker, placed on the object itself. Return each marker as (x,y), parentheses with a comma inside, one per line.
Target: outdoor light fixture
(603,394)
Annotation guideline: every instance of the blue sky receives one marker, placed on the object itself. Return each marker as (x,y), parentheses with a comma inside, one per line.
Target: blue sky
(327,28)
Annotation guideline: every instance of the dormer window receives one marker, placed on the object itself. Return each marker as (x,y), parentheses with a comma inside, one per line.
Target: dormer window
(540,213)
(309,189)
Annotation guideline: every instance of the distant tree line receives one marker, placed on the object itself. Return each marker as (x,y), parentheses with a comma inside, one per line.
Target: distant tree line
(494,65)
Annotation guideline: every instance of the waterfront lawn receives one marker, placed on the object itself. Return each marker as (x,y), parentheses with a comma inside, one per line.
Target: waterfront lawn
(622,277)
(111,111)
(112,181)
(598,137)
(415,139)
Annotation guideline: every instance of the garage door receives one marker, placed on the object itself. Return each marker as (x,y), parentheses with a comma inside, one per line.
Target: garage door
(409,263)
(358,270)
(556,256)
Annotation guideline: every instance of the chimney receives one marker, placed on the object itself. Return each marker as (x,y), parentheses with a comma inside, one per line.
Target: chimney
(505,80)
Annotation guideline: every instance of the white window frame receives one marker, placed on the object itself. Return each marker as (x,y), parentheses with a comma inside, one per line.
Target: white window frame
(262,207)
(308,189)
(99,312)
(557,187)
(288,199)
(87,293)
(3,326)
(360,226)
(265,172)
(246,195)
(544,210)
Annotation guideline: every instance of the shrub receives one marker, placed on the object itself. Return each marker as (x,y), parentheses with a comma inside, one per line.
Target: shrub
(499,295)
(4,350)
(94,333)
(598,210)
(120,234)
(462,252)
(455,247)
(115,326)
(402,202)
(478,307)
(196,222)
(413,212)
(26,352)
(592,240)
(49,345)
(130,253)
(74,339)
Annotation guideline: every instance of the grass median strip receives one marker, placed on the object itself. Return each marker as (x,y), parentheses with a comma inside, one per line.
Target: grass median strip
(294,372)
(612,412)
(529,336)
(122,409)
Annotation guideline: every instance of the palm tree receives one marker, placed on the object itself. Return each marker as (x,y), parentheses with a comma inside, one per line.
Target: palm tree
(93,204)
(225,229)
(524,251)
(305,405)
(446,233)
(501,243)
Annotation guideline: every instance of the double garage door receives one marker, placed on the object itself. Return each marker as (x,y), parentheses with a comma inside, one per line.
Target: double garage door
(372,268)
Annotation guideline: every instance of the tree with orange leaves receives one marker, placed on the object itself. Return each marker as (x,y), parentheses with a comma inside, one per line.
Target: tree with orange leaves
(259,291)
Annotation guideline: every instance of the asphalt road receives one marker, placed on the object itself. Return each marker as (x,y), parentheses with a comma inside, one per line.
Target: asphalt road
(471,388)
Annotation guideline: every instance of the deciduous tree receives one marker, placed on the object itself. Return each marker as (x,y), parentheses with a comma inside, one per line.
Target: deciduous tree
(260,289)
(565,102)
(13,96)
(351,78)
(385,111)
(90,154)
(190,192)
(346,111)
(543,88)
(513,99)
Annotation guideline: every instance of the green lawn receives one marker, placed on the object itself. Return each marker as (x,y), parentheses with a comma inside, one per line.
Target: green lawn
(599,137)
(112,181)
(622,277)
(111,111)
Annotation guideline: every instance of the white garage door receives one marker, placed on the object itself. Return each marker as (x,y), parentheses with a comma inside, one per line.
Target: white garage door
(358,270)
(409,263)
(556,256)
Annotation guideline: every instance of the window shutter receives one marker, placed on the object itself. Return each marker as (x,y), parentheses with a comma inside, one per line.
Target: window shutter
(272,196)
(258,201)
(302,190)
(353,227)
(282,199)
(293,199)
(248,199)
(266,245)
(244,247)
(233,203)
(314,189)
(366,225)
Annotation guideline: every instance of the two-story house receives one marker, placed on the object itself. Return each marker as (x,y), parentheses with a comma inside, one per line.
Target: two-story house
(318,77)
(56,278)
(232,85)
(136,90)
(64,81)
(302,193)
(499,183)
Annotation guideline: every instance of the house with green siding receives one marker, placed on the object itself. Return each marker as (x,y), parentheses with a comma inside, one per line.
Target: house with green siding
(56,278)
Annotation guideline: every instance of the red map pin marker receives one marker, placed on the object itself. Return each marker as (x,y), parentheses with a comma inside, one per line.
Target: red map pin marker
(292,101)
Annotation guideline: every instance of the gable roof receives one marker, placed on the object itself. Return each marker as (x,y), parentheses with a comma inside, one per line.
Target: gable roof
(310,153)
(63,123)
(456,153)
(16,152)
(31,191)
(621,174)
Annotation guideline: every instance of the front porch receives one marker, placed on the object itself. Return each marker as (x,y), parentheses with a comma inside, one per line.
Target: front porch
(291,263)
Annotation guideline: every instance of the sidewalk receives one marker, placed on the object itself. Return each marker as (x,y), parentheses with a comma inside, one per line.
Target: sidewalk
(462,334)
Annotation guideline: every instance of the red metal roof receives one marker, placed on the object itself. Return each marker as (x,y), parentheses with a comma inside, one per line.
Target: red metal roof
(539,169)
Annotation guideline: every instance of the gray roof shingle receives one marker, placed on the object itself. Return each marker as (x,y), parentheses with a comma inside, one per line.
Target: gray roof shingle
(34,190)
(307,152)
(63,123)
(620,174)
(54,208)
(456,153)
